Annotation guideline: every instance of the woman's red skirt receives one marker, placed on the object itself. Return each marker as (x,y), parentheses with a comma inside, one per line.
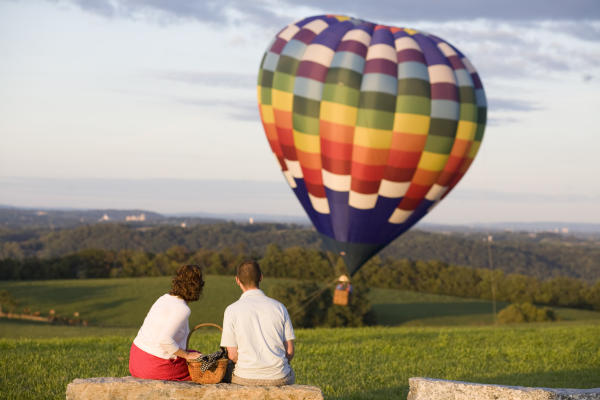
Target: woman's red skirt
(146,366)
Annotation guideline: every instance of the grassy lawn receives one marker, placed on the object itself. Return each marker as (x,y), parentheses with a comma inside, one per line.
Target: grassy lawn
(124,302)
(423,337)
(351,363)
(120,302)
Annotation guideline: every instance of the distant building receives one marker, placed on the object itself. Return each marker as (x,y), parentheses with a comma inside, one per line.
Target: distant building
(40,213)
(135,218)
(183,225)
(105,217)
(251,220)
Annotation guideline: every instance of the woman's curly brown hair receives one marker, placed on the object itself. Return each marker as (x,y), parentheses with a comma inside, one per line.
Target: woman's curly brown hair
(187,283)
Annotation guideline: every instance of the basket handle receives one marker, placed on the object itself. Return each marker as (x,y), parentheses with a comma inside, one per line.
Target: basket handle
(195,328)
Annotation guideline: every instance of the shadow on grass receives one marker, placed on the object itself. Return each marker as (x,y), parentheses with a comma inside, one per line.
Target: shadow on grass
(585,378)
(399,313)
(94,303)
(98,307)
(54,295)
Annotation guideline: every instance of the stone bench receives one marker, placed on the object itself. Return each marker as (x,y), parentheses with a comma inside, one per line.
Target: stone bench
(438,389)
(130,388)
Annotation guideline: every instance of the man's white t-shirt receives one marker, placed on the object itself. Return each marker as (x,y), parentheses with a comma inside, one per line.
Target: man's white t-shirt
(258,326)
(165,328)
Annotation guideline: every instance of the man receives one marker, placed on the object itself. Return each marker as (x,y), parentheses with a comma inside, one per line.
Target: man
(258,334)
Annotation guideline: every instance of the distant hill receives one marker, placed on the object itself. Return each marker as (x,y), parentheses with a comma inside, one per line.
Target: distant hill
(555,227)
(57,233)
(16,218)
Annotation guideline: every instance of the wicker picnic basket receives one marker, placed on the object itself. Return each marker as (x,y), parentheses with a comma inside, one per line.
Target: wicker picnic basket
(212,375)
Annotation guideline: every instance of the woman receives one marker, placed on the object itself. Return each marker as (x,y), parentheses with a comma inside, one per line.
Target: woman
(159,349)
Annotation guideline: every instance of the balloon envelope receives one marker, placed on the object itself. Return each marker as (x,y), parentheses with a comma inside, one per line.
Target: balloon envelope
(372,125)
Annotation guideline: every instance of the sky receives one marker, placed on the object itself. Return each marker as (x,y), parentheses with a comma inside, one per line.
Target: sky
(152,104)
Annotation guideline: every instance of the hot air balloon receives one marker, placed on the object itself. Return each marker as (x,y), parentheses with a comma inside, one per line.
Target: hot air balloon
(372,125)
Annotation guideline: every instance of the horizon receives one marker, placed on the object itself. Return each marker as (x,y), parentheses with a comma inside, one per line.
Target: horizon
(173,196)
(298,218)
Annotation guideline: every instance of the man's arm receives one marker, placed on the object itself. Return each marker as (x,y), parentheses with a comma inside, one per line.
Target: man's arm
(289,350)
(228,339)
(232,354)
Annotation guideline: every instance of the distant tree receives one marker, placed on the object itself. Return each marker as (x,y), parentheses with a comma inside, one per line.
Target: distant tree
(217,264)
(562,291)
(94,263)
(11,250)
(178,254)
(7,302)
(592,295)
(273,261)
(10,269)
(525,312)
(517,288)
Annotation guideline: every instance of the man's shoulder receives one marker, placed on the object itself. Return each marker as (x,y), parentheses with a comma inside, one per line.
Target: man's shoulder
(275,305)
(233,306)
(244,302)
(274,301)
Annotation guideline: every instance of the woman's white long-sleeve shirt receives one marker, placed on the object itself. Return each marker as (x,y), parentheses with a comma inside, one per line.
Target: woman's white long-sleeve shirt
(165,328)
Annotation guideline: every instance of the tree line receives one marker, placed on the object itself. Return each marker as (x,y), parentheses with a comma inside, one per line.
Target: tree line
(313,265)
(541,255)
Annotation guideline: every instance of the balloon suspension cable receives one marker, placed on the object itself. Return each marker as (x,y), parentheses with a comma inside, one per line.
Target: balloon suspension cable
(296,308)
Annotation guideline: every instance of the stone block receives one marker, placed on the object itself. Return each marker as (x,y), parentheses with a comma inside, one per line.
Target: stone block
(438,389)
(130,388)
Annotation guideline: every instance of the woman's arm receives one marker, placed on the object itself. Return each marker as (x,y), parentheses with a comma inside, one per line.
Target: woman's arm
(188,355)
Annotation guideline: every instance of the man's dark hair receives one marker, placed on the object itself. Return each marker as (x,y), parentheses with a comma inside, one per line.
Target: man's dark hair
(249,273)
(188,283)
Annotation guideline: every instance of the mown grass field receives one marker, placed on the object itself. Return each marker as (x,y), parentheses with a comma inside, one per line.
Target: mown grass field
(124,303)
(37,361)
(354,363)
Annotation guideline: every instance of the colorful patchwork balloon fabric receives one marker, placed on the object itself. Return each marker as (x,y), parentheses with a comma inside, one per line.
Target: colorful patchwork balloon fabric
(372,125)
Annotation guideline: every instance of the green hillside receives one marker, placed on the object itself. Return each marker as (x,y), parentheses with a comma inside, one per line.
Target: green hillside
(124,302)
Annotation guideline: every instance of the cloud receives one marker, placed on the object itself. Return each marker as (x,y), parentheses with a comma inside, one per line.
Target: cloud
(205,10)
(208,11)
(101,7)
(501,121)
(268,12)
(436,10)
(240,110)
(219,79)
(498,104)
(518,49)
(509,111)
(589,30)
(510,38)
